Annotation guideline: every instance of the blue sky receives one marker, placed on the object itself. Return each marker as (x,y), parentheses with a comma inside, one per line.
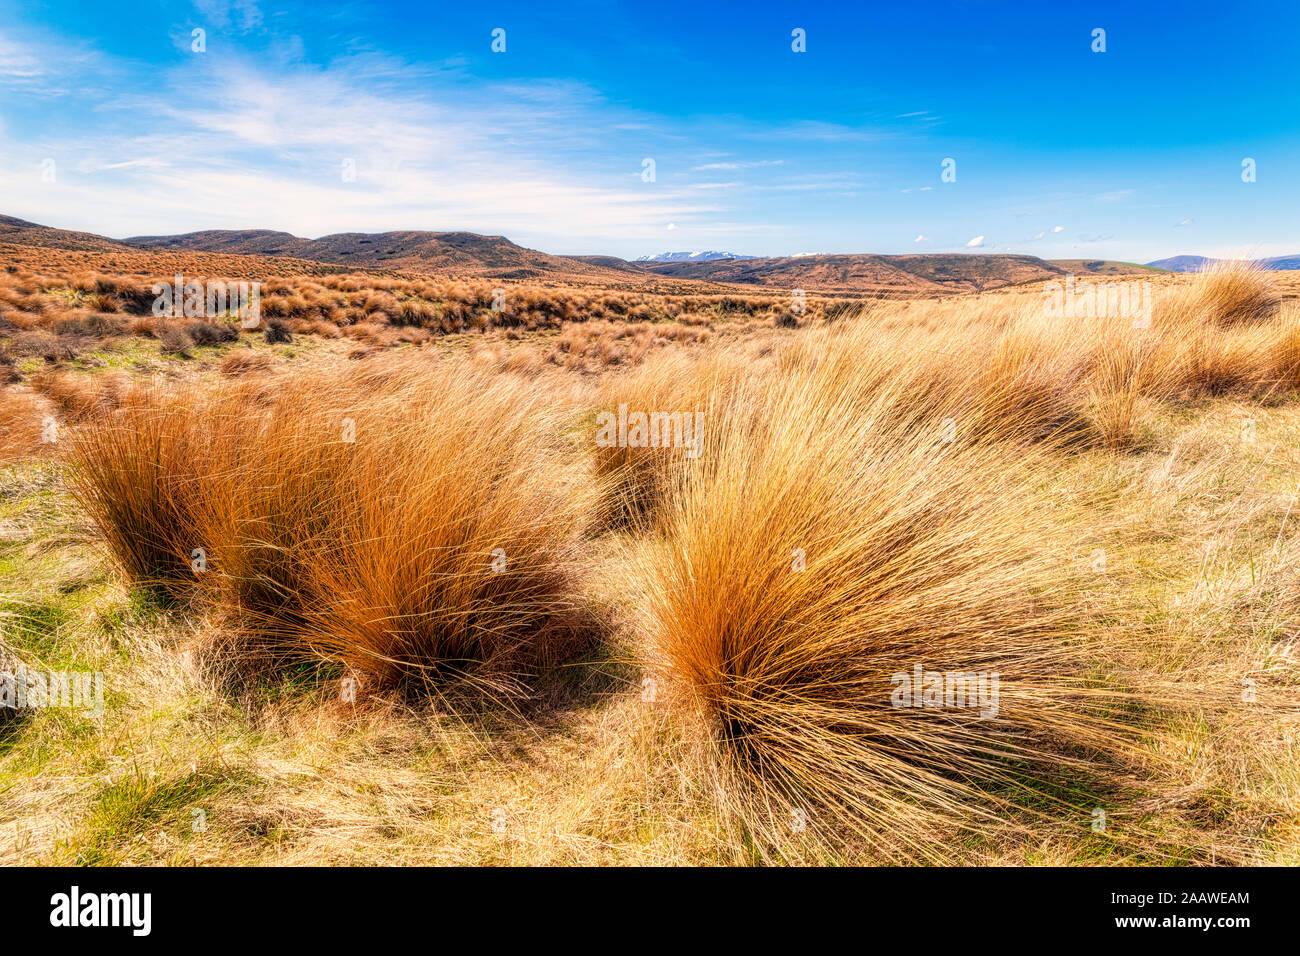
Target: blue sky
(1135,153)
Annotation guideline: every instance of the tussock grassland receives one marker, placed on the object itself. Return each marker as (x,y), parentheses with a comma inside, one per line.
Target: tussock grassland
(565,651)
(998,372)
(63,313)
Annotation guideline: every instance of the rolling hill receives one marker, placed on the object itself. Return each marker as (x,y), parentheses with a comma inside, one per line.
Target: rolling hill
(458,253)
(471,255)
(879,274)
(24,233)
(1197,263)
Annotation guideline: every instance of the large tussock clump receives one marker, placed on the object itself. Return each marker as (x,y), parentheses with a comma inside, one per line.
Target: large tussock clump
(412,523)
(814,562)
(1233,293)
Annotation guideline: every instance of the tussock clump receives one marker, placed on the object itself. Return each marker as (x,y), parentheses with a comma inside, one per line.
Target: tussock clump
(819,551)
(211,333)
(174,340)
(1233,293)
(1115,400)
(277,332)
(1286,351)
(243,361)
(143,475)
(9,374)
(103,302)
(355,515)
(455,551)
(79,395)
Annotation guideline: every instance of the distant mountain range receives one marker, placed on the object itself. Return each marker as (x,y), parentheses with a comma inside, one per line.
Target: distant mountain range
(1197,263)
(469,255)
(458,253)
(709,256)
(909,275)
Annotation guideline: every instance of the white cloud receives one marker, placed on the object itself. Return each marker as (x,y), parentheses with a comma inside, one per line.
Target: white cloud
(247,145)
(49,67)
(256,135)
(18,63)
(921,238)
(975,243)
(1058,229)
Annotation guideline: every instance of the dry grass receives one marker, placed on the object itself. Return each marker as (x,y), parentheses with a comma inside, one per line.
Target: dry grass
(72,304)
(353,515)
(140,475)
(1234,293)
(80,396)
(24,419)
(926,484)
(811,556)
(638,478)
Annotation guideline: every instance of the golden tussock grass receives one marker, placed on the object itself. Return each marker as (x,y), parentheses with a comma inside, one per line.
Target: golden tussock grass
(808,558)
(1233,293)
(85,308)
(637,479)
(920,487)
(356,516)
(138,473)
(24,418)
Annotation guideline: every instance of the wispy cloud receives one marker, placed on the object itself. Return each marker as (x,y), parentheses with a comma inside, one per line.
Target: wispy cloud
(252,144)
(48,67)
(738,165)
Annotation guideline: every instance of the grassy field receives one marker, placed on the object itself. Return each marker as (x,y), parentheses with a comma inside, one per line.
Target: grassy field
(685,655)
